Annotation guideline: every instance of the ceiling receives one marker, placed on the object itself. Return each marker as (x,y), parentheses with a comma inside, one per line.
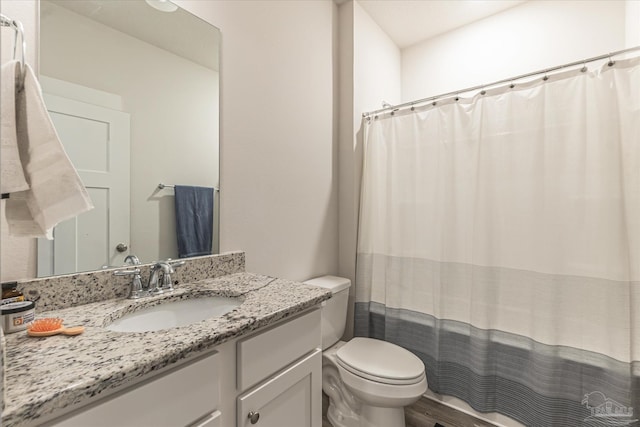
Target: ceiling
(408,22)
(178,32)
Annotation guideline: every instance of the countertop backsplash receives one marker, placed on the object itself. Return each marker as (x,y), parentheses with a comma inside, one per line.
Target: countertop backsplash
(58,292)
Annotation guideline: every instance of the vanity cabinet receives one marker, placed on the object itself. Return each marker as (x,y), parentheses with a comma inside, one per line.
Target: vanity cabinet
(288,361)
(272,377)
(184,396)
(268,351)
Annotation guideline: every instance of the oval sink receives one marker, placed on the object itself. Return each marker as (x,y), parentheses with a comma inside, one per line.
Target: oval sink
(173,314)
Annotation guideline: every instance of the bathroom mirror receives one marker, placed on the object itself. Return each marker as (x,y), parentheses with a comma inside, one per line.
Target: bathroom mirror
(132,87)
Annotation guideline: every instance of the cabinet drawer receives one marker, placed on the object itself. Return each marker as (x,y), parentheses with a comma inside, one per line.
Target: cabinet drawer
(267,352)
(176,398)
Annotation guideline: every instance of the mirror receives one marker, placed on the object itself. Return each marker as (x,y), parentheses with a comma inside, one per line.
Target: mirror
(133,93)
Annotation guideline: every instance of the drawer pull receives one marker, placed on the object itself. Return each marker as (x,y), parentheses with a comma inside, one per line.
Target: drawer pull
(253,417)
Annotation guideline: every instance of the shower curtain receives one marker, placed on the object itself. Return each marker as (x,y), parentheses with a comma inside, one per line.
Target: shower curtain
(499,241)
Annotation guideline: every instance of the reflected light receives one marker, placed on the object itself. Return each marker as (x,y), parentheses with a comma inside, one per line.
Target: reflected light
(162,5)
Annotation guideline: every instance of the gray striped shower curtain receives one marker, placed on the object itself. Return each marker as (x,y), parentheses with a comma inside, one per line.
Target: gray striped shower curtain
(499,240)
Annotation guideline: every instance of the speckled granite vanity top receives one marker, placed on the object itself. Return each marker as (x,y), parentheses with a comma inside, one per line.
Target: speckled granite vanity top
(44,375)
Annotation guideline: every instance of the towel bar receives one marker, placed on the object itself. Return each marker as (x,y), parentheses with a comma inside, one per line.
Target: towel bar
(162,186)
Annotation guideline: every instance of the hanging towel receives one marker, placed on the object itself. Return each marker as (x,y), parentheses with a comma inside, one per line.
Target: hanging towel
(56,192)
(11,174)
(194,220)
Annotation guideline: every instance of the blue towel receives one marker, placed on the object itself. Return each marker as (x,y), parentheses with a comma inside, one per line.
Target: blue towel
(194,220)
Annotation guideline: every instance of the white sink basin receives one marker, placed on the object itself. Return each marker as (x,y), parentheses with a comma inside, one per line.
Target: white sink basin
(173,314)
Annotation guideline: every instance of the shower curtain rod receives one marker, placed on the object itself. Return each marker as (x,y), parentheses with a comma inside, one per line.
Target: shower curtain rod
(512,79)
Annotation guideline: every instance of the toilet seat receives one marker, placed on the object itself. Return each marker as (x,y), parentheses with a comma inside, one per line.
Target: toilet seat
(380,361)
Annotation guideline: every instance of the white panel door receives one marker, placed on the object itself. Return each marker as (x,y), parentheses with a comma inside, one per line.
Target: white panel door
(97,142)
(292,398)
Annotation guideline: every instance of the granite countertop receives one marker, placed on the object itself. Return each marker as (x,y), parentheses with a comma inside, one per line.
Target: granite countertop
(45,375)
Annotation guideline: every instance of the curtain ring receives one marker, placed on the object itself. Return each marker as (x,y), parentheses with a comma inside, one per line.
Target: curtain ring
(611,61)
(434,103)
(413,108)
(545,78)
(457,98)
(483,92)
(511,86)
(584,68)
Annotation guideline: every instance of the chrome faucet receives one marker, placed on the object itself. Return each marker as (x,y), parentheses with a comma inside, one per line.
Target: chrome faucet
(137,289)
(159,279)
(166,269)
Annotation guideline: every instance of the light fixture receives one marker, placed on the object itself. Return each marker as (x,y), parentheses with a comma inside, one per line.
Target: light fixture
(162,5)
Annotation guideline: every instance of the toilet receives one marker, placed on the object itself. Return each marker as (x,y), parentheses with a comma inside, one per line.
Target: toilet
(368,381)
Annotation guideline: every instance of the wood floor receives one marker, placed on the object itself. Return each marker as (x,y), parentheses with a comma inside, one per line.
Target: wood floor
(425,413)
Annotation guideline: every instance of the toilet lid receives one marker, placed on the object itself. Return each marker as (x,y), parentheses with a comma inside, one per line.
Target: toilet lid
(380,361)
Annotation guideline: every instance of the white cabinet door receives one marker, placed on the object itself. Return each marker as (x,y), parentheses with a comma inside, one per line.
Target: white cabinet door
(291,398)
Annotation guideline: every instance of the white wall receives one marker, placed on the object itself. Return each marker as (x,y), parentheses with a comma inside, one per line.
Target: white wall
(18,254)
(377,65)
(278,151)
(632,26)
(369,73)
(526,38)
(174,123)
(279,160)
(25,11)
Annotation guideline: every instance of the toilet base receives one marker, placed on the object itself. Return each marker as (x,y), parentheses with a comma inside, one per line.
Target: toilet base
(370,416)
(341,419)
(374,416)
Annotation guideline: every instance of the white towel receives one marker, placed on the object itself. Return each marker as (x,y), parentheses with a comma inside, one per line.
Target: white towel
(11,175)
(56,192)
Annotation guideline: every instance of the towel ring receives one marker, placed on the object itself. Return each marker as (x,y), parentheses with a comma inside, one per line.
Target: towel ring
(5,21)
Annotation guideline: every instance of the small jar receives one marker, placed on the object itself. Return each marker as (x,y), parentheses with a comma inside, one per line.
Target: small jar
(10,293)
(17,315)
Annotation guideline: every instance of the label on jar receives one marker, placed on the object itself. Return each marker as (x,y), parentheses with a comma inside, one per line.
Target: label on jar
(19,320)
(12,299)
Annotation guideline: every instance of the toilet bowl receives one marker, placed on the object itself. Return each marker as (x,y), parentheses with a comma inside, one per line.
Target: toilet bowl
(368,381)
(375,391)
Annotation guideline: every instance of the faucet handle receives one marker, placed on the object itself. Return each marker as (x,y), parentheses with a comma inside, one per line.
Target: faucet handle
(136,290)
(167,282)
(175,263)
(166,268)
(127,272)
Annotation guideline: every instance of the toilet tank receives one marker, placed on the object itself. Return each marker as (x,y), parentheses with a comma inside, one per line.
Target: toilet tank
(334,310)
